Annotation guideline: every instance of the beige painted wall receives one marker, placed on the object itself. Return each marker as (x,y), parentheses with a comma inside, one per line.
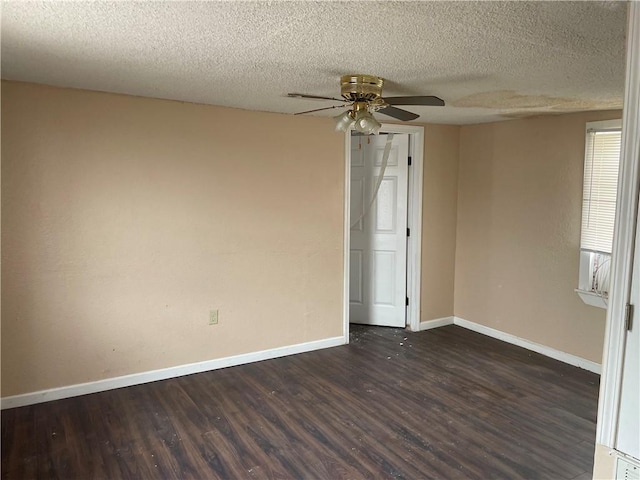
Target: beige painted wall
(125,220)
(604,467)
(440,199)
(519,210)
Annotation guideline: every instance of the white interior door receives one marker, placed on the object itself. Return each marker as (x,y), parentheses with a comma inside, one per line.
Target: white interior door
(628,440)
(378,250)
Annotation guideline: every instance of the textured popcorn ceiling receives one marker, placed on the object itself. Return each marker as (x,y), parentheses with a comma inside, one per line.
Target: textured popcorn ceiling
(487,60)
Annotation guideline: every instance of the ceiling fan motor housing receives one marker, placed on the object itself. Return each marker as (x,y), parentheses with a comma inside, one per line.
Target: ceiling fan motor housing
(361,87)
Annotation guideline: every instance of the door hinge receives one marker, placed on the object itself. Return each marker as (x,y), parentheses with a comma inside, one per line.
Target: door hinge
(409,161)
(407,301)
(628,313)
(408,232)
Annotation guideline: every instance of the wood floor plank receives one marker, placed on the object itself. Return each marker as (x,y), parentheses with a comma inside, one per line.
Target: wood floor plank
(447,403)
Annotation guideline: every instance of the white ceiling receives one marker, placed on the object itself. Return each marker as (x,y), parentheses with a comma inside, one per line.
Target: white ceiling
(487,60)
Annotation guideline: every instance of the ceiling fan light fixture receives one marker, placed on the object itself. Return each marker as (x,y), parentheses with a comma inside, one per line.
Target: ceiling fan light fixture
(344,121)
(366,123)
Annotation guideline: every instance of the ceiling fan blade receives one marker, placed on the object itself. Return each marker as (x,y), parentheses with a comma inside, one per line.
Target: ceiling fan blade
(314,97)
(398,113)
(429,101)
(320,109)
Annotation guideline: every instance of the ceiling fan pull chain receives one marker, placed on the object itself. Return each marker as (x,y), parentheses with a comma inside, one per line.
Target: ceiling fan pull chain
(385,159)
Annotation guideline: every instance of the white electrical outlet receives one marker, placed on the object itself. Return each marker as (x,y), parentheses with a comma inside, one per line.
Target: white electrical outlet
(213,317)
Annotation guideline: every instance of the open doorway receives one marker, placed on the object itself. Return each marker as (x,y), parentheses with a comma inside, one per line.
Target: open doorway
(383,231)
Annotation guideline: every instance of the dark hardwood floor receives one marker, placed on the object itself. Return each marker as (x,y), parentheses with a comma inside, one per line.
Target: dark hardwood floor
(446,403)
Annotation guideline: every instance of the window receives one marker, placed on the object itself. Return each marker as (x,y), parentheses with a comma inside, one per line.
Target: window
(600,188)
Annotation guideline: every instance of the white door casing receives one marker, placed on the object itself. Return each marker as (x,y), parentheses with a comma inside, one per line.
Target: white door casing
(414,243)
(378,250)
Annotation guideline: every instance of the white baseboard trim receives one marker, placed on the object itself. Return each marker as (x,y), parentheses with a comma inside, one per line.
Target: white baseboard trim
(529,345)
(165,373)
(435,323)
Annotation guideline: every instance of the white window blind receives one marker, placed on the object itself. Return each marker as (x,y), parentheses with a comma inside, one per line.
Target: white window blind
(600,189)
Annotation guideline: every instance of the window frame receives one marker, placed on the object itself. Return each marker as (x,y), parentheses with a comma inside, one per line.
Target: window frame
(589,258)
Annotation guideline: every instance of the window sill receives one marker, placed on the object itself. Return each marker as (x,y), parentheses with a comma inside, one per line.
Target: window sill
(591,298)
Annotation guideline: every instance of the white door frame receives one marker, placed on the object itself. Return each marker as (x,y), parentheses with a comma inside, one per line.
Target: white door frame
(414,222)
